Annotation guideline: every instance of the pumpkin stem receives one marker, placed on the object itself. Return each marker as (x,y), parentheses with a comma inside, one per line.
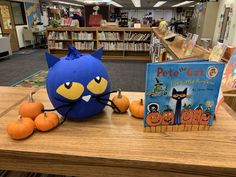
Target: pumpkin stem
(141,101)
(45,115)
(119,94)
(19,117)
(31,100)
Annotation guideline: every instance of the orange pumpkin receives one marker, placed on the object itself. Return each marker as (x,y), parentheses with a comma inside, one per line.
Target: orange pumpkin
(154,119)
(205,118)
(121,101)
(21,128)
(31,108)
(137,109)
(168,117)
(46,121)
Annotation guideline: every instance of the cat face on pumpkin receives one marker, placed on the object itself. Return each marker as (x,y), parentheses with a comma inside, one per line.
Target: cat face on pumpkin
(78,80)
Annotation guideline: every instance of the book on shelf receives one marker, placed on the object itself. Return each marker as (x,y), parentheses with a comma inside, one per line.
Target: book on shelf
(84,45)
(229,78)
(55,45)
(82,36)
(217,52)
(113,36)
(182,95)
(119,46)
(66,21)
(191,44)
(55,35)
(137,36)
(69,22)
(137,46)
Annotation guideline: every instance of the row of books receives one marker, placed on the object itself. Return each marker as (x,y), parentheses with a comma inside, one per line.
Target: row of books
(55,45)
(112,45)
(82,36)
(137,46)
(137,36)
(109,36)
(55,35)
(84,45)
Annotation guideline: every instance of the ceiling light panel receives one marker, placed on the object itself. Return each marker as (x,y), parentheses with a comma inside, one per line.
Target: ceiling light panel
(137,3)
(115,4)
(182,3)
(159,3)
(67,3)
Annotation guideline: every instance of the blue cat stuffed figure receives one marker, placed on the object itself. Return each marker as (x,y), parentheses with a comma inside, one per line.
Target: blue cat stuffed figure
(78,84)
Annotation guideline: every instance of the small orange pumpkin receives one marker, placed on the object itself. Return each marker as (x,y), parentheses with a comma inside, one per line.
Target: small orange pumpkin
(21,128)
(121,101)
(46,121)
(30,108)
(137,109)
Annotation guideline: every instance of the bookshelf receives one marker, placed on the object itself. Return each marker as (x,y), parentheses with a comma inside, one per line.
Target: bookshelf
(118,43)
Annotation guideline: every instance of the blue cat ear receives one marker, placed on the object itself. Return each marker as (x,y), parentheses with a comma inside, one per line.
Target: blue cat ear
(51,60)
(73,52)
(98,54)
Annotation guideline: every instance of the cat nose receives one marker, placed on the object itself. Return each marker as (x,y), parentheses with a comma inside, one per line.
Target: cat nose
(86,98)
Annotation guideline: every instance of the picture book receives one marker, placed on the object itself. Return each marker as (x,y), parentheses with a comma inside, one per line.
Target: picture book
(181,94)
(229,78)
(188,38)
(191,44)
(217,52)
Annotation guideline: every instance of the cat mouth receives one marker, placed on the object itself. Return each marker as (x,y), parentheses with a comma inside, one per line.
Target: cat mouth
(86,98)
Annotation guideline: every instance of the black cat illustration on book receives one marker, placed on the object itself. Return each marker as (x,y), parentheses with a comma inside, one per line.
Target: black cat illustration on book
(178,96)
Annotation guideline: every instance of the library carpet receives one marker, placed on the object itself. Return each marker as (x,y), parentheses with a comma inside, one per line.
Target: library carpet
(23,69)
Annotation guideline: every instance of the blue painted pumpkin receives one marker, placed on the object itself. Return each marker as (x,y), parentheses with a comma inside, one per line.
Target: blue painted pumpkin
(78,84)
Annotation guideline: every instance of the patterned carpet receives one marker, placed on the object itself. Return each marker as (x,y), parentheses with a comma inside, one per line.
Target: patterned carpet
(36,80)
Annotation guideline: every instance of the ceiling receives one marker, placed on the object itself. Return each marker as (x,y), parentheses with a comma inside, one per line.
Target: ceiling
(146,4)
(151,3)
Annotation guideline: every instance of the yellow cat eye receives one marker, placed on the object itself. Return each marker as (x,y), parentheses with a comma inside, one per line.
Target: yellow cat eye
(98,85)
(70,90)
(175,95)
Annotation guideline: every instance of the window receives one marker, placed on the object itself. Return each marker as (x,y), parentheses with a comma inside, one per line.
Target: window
(18,13)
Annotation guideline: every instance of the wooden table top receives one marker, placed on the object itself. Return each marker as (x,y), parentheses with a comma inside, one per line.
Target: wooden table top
(11,96)
(112,144)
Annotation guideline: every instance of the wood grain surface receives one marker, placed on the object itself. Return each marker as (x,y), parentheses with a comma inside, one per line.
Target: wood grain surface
(11,96)
(111,144)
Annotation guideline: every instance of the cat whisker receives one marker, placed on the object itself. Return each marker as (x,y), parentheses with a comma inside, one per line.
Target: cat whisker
(59,107)
(113,106)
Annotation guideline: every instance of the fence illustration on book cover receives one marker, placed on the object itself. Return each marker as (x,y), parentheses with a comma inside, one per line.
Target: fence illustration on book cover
(182,95)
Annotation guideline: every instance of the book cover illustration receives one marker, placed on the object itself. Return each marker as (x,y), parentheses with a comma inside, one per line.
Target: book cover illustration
(217,52)
(181,93)
(229,78)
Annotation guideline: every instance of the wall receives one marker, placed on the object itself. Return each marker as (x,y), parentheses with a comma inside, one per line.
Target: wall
(19,32)
(167,14)
(209,20)
(232,33)
(19,28)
